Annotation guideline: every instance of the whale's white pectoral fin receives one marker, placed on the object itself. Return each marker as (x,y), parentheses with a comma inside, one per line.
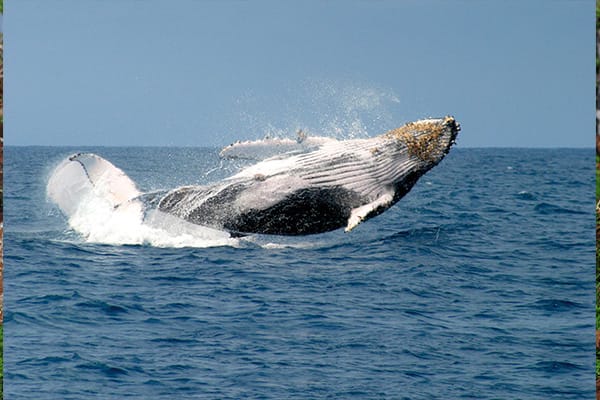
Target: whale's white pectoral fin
(361,213)
(273,147)
(84,176)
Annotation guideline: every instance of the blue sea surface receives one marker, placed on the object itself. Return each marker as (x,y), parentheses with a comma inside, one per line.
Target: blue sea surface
(479,284)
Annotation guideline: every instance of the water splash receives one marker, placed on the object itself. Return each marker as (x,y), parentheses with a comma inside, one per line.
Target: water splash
(97,221)
(338,109)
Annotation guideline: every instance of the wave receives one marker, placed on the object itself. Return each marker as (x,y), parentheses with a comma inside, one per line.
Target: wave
(550,209)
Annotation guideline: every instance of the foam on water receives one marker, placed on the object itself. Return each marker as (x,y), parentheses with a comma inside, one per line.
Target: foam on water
(98,222)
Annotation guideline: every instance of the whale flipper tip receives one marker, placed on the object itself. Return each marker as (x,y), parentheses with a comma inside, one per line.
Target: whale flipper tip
(361,213)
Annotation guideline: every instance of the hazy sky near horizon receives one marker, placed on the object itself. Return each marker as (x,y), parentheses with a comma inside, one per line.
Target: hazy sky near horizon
(205,73)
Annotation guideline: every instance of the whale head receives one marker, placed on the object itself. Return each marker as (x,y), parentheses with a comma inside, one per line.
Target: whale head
(426,141)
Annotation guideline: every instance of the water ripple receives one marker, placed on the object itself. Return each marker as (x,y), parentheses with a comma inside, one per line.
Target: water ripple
(470,288)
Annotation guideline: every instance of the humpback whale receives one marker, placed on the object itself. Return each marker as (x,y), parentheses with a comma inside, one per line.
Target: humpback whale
(338,184)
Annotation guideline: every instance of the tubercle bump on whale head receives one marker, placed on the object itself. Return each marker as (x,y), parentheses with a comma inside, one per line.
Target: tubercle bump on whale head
(428,140)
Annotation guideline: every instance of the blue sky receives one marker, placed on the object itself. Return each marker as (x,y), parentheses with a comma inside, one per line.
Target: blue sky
(205,73)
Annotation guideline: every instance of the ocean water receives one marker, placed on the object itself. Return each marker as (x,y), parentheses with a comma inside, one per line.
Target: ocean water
(479,284)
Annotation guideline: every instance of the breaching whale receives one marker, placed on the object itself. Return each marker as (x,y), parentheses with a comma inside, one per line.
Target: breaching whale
(336,185)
